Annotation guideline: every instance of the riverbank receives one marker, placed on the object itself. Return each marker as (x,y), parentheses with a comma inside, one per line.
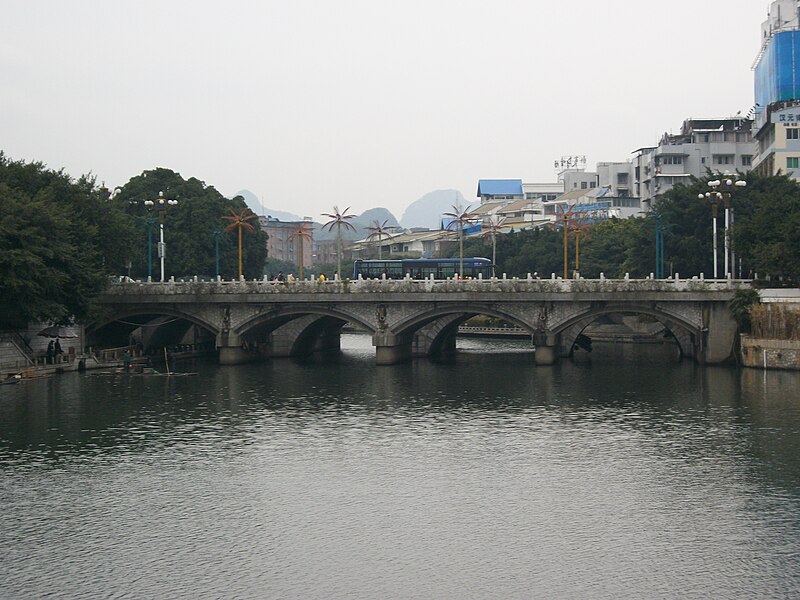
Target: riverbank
(770,354)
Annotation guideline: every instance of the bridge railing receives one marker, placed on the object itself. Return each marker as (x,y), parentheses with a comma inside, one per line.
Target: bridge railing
(531,283)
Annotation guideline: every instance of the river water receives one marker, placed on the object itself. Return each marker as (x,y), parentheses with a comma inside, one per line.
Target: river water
(629,474)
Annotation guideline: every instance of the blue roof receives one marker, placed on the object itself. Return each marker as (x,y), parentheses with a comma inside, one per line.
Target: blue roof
(500,187)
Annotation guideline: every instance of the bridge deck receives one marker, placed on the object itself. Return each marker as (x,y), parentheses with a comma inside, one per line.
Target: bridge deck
(550,288)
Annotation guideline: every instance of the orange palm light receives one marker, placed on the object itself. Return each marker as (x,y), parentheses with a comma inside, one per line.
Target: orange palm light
(240,221)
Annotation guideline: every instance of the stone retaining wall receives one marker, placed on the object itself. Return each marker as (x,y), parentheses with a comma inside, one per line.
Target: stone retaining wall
(770,354)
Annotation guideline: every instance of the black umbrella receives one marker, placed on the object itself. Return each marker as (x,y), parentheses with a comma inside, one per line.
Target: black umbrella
(56,331)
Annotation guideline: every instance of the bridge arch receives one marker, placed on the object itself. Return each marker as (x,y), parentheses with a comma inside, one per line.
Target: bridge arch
(433,332)
(686,334)
(280,315)
(120,318)
(421,319)
(291,330)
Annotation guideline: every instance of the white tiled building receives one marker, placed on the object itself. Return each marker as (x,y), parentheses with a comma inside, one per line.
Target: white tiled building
(717,145)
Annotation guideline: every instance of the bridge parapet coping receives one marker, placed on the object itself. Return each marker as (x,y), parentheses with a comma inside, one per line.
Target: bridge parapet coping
(426,286)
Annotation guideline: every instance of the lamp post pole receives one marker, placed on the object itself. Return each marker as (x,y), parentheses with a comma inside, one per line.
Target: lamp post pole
(659,247)
(216,233)
(162,204)
(149,206)
(714,198)
(721,192)
(149,248)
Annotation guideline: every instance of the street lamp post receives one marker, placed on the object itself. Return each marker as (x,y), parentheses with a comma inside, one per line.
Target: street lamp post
(714,198)
(721,192)
(217,234)
(659,246)
(161,203)
(149,204)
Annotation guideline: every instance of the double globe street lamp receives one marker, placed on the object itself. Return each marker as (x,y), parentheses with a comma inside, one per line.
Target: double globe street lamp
(161,205)
(720,193)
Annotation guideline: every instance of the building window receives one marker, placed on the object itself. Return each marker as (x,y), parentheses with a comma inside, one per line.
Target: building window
(793,134)
(583,185)
(723,159)
(792,162)
(747,160)
(672,160)
(703,160)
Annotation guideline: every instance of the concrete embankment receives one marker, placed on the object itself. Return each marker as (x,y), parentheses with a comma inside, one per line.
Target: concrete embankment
(770,354)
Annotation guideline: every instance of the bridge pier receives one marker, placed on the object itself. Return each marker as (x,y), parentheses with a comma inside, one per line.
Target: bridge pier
(390,349)
(546,350)
(230,351)
(545,355)
(233,355)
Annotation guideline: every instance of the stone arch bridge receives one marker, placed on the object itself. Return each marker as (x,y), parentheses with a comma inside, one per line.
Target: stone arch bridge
(406,318)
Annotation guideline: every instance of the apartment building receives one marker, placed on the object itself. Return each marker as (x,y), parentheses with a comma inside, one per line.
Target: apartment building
(702,145)
(777,90)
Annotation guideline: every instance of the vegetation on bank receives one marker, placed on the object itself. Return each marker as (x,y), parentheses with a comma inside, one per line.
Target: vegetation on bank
(765,238)
(62,238)
(774,321)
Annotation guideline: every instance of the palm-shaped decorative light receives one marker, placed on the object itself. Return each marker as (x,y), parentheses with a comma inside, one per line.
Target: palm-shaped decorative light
(338,220)
(491,230)
(378,231)
(566,216)
(580,227)
(302,235)
(459,219)
(240,221)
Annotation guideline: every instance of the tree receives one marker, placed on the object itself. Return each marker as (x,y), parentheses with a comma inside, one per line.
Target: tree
(60,239)
(766,234)
(190,226)
(338,220)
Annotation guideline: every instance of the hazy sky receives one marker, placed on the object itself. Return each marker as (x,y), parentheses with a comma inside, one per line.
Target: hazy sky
(361,103)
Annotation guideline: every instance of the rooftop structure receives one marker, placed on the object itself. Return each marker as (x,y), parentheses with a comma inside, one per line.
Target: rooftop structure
(490,190)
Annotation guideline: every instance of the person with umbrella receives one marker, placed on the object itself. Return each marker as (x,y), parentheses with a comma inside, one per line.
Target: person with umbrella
(50,352)
(57,350)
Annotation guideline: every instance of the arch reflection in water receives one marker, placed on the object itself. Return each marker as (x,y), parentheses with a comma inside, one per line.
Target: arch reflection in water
(479,476)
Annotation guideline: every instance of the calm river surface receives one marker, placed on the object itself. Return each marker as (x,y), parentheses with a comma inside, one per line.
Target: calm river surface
(630,475)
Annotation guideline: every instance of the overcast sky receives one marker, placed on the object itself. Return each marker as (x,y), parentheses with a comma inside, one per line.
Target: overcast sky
(361,103)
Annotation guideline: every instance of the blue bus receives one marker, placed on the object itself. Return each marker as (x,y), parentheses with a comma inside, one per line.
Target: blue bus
(422,268)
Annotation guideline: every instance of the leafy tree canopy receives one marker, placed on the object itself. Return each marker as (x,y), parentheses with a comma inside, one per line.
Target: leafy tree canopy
(59,240)
(189,228)
(765,237)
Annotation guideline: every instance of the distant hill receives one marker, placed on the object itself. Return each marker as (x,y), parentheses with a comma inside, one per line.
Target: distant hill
(427,211)
(255,205)
(361,223)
